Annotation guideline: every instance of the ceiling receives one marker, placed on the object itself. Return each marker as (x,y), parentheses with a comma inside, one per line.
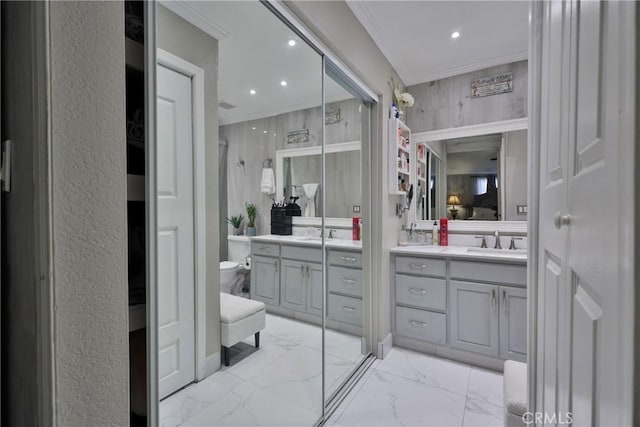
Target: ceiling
(253,53)
(415,36)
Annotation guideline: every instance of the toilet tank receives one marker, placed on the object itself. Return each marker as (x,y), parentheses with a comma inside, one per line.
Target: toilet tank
(239,248)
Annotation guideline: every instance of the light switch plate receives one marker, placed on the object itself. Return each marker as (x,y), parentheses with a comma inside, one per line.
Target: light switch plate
(521,209)
(356,208)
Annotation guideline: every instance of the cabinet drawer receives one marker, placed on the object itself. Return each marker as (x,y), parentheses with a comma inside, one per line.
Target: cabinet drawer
(302,253)
(426,266)
(266,249)
(345,281)
(345,309)
(345,258)
(421,325)
(489,272)
(423,292)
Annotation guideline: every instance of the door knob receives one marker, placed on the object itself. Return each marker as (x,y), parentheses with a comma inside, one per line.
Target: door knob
(560,220)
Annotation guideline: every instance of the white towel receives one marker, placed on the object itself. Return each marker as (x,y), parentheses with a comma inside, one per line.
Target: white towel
(268,183)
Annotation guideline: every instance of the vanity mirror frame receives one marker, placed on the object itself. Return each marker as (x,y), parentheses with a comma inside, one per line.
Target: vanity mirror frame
(339,147)
(428,137)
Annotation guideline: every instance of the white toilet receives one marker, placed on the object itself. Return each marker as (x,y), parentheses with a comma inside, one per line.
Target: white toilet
(234,271)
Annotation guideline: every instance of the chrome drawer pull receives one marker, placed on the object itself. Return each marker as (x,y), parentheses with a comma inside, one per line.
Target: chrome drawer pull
(417,266)
(349,281)
(418,323)
(265,248)
(350,309)
(417,291)
(348,258)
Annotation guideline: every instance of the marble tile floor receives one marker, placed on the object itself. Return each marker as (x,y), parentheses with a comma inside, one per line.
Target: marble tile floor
(413,389)
(278,384)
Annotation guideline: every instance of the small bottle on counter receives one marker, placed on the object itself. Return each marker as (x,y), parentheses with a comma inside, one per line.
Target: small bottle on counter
(355,228)
(434,233)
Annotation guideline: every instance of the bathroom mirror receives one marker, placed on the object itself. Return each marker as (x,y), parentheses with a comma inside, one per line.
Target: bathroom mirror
(477,174)
(299,171)
(473,178)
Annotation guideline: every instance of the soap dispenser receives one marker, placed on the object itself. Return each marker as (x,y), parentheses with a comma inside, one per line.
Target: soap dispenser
(434,233)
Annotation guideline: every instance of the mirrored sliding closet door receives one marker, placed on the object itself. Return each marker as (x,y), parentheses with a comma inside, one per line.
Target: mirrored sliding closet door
(263,296)
(237,341)
(346,148)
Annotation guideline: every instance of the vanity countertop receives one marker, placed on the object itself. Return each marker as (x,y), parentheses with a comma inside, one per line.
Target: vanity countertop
(464,252)
(309,241)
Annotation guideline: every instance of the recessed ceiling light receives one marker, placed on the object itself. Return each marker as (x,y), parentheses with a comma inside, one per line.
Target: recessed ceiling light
(253,128)
(455,35)
(292,42)
(265,131)
(283,83)
(252,91)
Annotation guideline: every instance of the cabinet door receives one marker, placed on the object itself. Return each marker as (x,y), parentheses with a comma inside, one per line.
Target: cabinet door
(474,317)
(293,288)
(513,323)
(265,279)
(314,289)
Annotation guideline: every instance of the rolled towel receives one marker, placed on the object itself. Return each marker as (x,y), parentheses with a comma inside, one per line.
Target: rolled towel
(268,183)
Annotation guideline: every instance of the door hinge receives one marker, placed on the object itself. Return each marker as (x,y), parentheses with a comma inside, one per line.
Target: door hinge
(5,166)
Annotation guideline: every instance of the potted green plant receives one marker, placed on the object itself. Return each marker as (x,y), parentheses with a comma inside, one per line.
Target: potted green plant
(236,221)
(252,211)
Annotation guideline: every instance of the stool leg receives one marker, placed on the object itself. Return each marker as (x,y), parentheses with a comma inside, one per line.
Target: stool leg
(225,355)
(257,338)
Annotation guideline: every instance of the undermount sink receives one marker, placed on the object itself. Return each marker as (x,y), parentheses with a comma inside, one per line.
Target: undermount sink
(497,251)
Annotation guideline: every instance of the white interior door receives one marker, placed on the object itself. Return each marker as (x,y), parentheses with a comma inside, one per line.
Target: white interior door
(553,288)
(584,327)
(176,271)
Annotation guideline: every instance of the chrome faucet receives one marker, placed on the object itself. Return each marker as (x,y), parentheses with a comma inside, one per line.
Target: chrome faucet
(331,233)
(484,241)
(513,242)
(497,245)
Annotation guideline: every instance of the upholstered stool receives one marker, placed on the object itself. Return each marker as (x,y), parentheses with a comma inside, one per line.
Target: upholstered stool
(239,317)
(514,383)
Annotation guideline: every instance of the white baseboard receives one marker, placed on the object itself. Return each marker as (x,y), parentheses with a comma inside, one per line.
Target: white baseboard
(385,346)
(211,364)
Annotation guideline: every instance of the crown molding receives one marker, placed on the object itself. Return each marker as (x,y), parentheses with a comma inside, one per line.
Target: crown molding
(200,20)
(471,130)
(419,78)
(374,28)
(272,112)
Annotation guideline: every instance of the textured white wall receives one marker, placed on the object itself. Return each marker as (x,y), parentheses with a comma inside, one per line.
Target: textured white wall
(88,185)
(341,31)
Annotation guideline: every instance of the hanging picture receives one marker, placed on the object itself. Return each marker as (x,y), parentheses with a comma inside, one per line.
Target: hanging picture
(487,86)
(298,136)
(332,116)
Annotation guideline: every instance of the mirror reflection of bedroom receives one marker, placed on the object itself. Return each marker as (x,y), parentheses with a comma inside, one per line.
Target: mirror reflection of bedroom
(486,177)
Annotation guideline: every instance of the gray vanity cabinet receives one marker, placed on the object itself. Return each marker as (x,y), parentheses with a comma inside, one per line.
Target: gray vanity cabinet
(301,279)
(513,323)
(293,286)
(345,287)
(301,286)
(265,279)
(314,290)
(472,310)
(474,317)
